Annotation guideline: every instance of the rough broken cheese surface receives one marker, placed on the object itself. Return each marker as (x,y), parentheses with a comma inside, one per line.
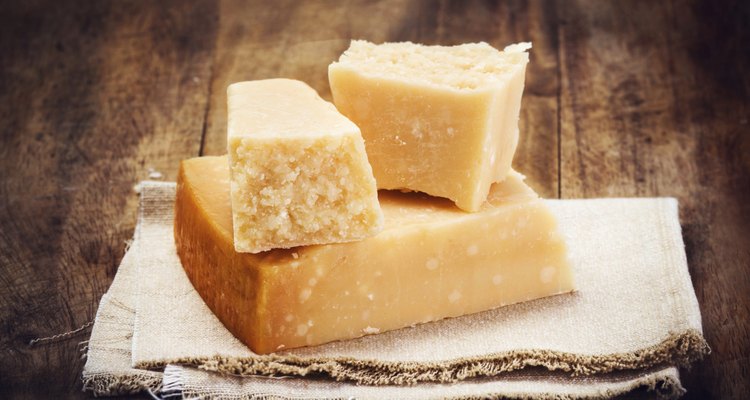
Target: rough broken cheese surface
(430,262)
(437,119)
(299,171)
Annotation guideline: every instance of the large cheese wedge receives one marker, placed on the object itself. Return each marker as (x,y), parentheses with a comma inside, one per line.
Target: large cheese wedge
(431,261)
(299,169)
(437,119)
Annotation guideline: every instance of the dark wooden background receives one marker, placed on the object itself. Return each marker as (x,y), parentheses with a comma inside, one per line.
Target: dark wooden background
(625,98)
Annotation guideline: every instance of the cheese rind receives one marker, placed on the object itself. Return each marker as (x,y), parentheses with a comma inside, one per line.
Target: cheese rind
(436,119)
(299,170)
(430,262)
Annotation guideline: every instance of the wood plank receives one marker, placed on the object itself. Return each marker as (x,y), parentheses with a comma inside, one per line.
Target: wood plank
(93,97)
(298,40)
(655,103)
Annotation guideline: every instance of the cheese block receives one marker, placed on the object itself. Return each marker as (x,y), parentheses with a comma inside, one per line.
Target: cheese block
(299,171)
(431,261)
(436,119)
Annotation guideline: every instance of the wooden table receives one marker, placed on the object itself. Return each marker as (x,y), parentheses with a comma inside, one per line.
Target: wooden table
(631,98)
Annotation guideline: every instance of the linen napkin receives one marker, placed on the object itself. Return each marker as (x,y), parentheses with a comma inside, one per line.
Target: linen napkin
(194,383)
(108,370)
(634,317)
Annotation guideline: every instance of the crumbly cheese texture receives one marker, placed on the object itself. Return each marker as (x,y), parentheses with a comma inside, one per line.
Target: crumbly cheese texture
(299,170)
(437,119)
(430,262)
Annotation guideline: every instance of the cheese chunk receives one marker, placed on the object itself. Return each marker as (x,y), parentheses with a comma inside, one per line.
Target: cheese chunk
(431,261)
(440,120)
(299,171)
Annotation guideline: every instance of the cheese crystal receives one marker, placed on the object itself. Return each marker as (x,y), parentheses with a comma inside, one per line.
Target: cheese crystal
(299,171)
(430,262)
(437,119)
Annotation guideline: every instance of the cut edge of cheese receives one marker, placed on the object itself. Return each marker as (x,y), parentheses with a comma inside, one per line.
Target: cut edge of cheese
(299,169)
(437,119)
(444,67)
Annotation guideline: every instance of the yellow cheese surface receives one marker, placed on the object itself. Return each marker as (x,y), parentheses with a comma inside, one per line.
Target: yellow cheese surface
(436,119)
(430,262)
(299,171)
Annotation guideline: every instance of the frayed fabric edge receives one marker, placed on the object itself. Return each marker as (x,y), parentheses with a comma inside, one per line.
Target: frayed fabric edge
(173,383)
(664,386)
(678,349)
(172,386)
(109,384)
(685,348)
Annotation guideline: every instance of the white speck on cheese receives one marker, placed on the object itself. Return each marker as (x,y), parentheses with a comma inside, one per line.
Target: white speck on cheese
(312,281)
(431,264)
(288,318)
(370,296)
(547,274)
(416,129)
(302,329)
(370,330)
(472,250)
(295,255)
(454,296)
(304,295)
(497,279)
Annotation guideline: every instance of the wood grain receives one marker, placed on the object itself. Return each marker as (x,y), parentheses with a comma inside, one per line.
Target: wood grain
(93,97)
(655,103)
(632,98)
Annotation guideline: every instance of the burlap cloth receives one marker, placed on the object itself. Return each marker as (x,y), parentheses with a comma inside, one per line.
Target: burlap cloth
(633,319)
